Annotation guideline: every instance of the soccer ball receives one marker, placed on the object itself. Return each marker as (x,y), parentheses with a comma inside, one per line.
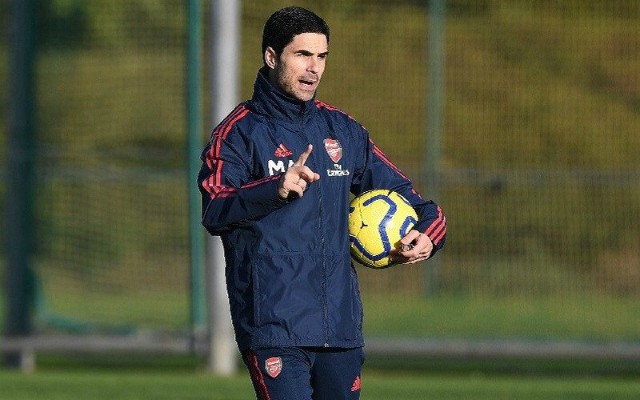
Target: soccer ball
(378,219)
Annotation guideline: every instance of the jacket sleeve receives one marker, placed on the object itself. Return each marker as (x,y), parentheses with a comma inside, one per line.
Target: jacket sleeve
(376,171)
(230,195)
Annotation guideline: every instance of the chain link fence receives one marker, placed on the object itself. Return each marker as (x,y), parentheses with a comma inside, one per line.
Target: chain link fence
(539,172)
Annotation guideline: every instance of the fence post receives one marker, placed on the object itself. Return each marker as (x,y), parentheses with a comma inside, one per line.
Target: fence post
(435,94)
(194,131)
(224,64)
(19,229)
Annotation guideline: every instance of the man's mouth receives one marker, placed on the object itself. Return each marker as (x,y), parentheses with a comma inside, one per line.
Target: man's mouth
(308,83)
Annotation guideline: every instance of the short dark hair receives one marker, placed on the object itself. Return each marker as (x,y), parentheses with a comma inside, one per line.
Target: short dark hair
(288,22)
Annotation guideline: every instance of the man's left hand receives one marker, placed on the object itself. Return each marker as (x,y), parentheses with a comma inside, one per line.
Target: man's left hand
(415,247)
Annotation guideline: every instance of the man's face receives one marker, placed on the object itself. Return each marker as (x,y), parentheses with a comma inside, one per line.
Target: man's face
(298,70)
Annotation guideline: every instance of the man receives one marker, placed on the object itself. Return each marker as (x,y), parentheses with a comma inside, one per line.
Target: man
(276,180)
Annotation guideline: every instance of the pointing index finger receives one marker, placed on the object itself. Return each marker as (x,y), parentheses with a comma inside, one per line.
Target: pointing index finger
(303,157)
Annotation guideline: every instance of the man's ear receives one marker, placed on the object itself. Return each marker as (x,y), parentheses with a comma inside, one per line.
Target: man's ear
(270,57)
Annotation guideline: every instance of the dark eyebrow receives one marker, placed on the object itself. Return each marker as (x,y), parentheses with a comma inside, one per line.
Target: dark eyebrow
(308,53)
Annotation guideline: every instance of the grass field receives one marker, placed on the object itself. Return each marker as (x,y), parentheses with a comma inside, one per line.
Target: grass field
(377,385)
(182,377)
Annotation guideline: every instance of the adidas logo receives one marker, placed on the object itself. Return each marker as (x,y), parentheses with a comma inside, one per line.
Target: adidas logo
(356,384)
(282,151)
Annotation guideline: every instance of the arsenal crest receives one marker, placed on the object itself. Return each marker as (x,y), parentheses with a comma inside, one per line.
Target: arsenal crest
(273,366)
(334,149)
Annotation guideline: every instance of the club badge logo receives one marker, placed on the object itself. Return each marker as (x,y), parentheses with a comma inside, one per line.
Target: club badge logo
(334,149)
(273,366)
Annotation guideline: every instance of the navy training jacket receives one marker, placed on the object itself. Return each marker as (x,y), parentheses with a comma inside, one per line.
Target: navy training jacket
(289,273)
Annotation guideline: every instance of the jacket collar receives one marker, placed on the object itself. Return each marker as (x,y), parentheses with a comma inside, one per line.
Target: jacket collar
(268,100)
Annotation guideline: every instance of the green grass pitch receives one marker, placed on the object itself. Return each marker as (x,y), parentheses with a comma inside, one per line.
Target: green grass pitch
(114,384)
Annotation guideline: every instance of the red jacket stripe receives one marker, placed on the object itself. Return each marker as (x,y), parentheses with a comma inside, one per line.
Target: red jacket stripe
(256,375)
(221,134)
(385,159)
(260,181)
(438,228)
(213,183)
(222,130)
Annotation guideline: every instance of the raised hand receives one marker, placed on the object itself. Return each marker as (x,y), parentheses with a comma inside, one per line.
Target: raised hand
(295,181)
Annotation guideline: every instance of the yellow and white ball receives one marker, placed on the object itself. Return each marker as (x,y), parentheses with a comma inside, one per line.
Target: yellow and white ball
(378,219)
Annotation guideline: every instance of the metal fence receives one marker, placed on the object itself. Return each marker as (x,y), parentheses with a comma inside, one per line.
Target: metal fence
(537,162)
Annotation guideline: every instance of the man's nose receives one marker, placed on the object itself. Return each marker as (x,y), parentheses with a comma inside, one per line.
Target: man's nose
(313,64)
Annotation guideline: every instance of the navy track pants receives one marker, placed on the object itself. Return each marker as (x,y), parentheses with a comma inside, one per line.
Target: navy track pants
(305,373)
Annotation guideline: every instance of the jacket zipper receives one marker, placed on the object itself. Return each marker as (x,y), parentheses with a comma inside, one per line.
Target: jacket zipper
(325,307)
